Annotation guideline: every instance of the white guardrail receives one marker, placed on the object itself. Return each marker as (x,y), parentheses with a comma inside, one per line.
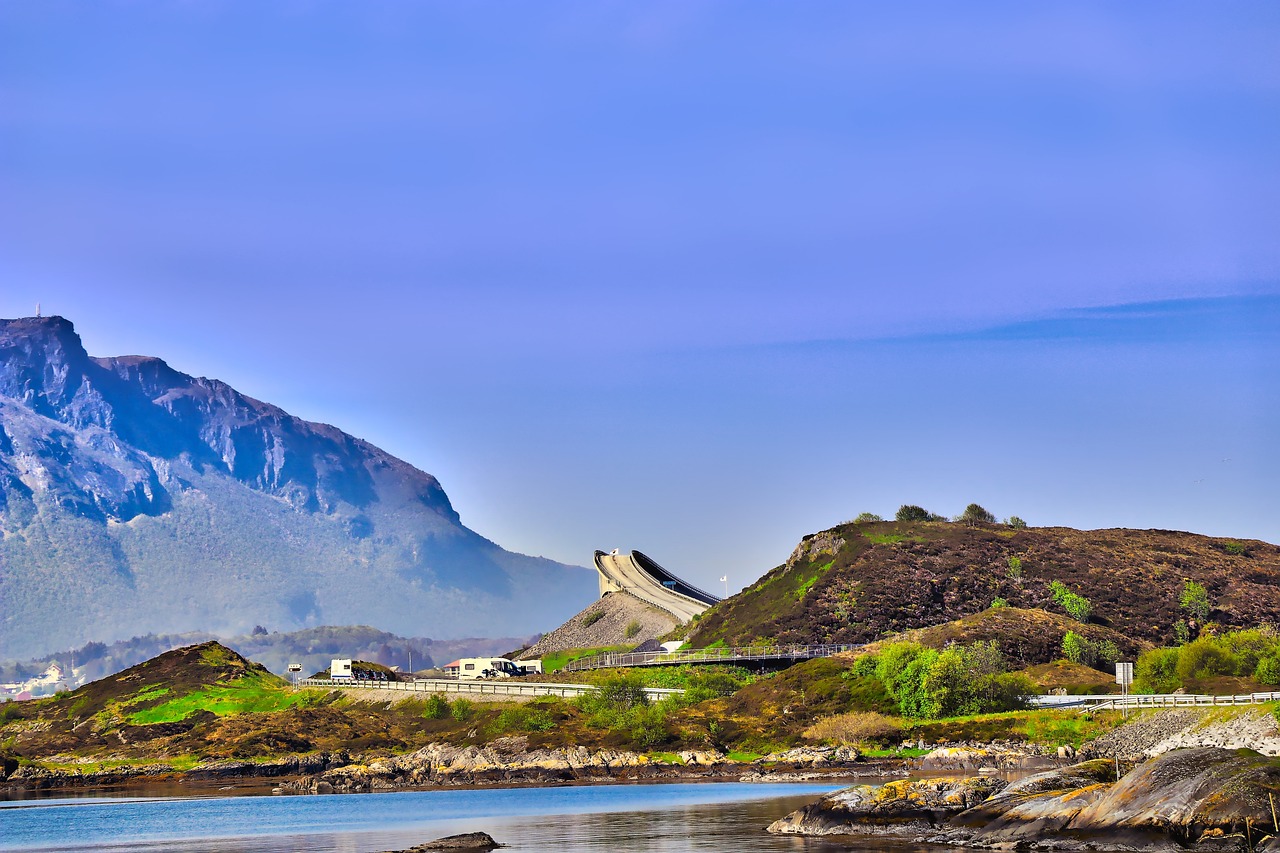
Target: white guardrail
(1098,702)
(610,660)
(500,687)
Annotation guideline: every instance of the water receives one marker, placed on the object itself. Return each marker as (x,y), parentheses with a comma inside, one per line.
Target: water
(665,818)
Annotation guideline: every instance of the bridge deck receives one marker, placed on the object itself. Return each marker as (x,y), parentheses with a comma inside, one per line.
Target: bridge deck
(745,654)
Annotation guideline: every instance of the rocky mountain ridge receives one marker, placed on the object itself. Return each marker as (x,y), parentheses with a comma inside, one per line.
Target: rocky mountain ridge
(135,498)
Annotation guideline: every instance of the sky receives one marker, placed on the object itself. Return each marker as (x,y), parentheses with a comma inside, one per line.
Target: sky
(693,278)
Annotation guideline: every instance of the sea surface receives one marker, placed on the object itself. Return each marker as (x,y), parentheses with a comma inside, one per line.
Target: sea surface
(658,818)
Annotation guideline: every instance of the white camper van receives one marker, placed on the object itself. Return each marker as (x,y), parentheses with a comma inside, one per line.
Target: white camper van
(340,669)
(486,668)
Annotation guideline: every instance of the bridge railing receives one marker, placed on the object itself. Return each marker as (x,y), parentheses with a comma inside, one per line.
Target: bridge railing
(610,660)
(494,687)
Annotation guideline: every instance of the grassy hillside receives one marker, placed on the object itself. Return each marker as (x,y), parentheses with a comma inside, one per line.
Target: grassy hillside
(859,582)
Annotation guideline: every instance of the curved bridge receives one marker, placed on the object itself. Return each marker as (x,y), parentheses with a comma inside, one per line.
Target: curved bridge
(640,576)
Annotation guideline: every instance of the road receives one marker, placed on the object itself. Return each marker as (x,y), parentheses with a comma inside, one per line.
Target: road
(642,577)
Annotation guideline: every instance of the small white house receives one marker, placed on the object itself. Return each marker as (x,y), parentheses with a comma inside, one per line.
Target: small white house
(340,669)
(485,668)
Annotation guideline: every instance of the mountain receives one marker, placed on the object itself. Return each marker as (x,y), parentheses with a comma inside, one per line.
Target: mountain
(858,582)
(136,499)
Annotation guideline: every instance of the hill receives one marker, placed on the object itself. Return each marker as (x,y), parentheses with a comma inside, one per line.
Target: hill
(858,582)
(137,499)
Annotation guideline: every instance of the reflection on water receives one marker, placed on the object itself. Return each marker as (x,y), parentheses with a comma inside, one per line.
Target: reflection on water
(718,818)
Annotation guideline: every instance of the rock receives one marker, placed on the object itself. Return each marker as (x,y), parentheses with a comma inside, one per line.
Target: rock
(1067,751)
(973,758)
(1038,805)
(466,841)
(915,803)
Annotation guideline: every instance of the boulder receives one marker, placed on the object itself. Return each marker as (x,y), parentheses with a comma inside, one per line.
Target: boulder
(902,802)
(466,841)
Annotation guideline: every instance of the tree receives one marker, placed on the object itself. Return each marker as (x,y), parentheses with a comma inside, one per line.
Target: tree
(867,516)
(974,515)
(1073,647)
(1195,600)
(1017,523)
(911,512)
(1077,606)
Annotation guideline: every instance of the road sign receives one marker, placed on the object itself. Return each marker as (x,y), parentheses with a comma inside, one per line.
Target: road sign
(1124,674)
(295,667)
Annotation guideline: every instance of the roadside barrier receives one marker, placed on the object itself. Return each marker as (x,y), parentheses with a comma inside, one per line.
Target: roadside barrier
(743,654)
(467,686)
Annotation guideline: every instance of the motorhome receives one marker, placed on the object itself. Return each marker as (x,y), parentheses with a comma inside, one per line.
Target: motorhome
(490,668)
(340,669)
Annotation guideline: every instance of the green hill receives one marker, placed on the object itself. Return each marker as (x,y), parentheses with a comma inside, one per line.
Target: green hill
(858,582)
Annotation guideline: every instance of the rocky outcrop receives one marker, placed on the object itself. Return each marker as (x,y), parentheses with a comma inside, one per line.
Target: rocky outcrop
(466,841)
(605,623)
(1163,731)
(993,757)
(1208,798)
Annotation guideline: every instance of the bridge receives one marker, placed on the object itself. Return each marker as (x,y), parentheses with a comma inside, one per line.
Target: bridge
(498,687)
(740,655)
(643,578)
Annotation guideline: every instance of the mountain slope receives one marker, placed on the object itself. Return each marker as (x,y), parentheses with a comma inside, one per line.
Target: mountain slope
(135,499)
(856,582)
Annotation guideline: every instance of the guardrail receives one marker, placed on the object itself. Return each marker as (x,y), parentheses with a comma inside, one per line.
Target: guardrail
(1182,700)
(610,660)
(499,687)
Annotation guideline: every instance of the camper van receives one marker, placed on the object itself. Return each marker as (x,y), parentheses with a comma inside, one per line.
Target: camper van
(490,668)
(340,670)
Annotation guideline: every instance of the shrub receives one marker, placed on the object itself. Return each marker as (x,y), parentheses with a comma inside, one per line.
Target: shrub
(1205,658)
(1156,671)
(462,709)
(1017,523)
(1181,632)
(592,618)
(1077,606)
(1107,653)
(524,719)
(974,515)
(855,727)
(633,628)
(1074,647)
(997,603)
(1015,568)
(911,512)
(1236,548)
(1195,600)
(865,517)
(1268,671)
(436,707)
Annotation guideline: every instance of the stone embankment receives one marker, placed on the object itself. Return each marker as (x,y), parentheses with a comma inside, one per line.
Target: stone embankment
(1158,733)
(1210,798)
(509,761)
(605,623)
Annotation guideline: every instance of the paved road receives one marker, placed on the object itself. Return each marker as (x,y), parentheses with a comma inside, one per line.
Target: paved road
(638,575)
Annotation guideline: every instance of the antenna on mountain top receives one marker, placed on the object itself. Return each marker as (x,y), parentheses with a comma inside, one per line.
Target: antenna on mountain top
(37,310)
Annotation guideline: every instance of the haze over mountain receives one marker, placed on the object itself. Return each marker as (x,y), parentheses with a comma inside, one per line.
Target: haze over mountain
(135,498)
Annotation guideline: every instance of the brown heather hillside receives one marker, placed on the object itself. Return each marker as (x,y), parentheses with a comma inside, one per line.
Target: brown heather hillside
(856,583)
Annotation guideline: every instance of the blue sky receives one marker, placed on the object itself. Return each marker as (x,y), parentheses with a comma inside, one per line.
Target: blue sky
(695,278)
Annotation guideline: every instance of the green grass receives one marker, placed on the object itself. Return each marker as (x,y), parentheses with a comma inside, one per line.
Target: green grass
(883,538)
(1046,726)
(900,752)
(252,694)
(744,757)
(665,758)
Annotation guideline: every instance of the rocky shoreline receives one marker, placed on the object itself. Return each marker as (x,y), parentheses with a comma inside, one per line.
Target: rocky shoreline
(1206,798)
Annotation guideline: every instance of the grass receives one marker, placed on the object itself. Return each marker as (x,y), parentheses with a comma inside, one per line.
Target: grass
(1051,727)
(744,757)
(556,661)
(899,752)
(251,694)
(883,538)
(665,758)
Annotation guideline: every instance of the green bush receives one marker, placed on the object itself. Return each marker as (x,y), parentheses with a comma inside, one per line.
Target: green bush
(974,515)
(1205,658)
(1195,600)
(436,707)
(1236,548)
(1015,568)
(911,512)
(592,618)
(1017,523)
(1074,647)
(959,680)
(633,628)
(462,709)
(1268,671)
(997,603)
(865,517)
(1077,606)
(1156,671)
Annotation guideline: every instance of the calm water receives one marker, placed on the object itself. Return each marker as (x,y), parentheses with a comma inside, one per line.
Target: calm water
(668,818)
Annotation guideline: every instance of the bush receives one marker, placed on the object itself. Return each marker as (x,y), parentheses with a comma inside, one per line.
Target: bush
(1181,632)
(462,709)
(1268,671)
(633,628)
(866,517)
(1195,600)
(1156,671)
(592,618)
(1236,548)
(1015,568)
(1205,658)
(911,512)
(523,719)
(955,681)
(997,603)
(436,707)
(1077,606)
(855,727)
(974,515)
(1074,647)
(1017,523)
